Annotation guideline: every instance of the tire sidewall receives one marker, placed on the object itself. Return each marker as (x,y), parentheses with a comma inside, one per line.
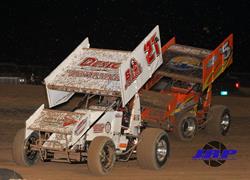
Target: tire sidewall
(180,130)
(215,117)
(225,112)
(162,136)
(18,149)
(111,144)
(33,161)
(147,148)
(94,159)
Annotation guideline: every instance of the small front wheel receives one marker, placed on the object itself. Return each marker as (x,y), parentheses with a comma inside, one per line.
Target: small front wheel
(186,127)
(22,152)
(153,149)
(219,120)
(101,155)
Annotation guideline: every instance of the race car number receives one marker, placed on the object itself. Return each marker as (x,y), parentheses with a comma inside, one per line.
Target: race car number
(152,49)
(226,50)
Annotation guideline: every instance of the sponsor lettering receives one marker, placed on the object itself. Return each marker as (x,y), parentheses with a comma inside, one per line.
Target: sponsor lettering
(132,73)
(98,128)
(94,62)
(80,127)
(94,75)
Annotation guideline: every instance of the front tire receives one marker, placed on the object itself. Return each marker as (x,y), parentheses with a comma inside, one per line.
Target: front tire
(186,127)
(21,151)
(153,149)
(101,155)
(219,120)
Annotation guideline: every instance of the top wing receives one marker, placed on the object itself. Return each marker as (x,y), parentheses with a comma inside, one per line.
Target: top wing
(142,63)
(86,70)
(96,71)
(217,61)
(183,62)
(105,72)
(57,96)
(196,65)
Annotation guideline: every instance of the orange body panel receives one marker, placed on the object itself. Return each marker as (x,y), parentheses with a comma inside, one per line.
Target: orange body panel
(182,100)
(217,61)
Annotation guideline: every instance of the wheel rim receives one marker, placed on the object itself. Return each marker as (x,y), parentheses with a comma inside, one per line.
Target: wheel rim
(188,127)
(107,157)
(225,122)
(161,150)
(29,153)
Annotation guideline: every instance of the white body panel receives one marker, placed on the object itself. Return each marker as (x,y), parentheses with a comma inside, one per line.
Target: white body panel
(95,71)
(58,97)
(135,119)
(82,126)
(142,73)
(109,125)
(32,119)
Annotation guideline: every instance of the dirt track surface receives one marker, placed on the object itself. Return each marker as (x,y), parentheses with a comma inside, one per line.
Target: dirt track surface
(17,103)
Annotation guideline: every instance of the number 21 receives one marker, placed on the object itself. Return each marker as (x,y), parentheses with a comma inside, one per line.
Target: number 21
(152,49)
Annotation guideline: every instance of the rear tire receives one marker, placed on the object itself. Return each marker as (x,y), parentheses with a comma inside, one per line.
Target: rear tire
(219,120)
(186,127)
(153,149)
(101,155)
(21,150)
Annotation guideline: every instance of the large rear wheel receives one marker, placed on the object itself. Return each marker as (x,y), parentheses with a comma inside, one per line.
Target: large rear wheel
(153,149)
(101,155)
(22,152)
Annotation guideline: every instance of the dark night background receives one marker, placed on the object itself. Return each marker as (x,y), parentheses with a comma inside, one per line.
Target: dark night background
(45,32)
